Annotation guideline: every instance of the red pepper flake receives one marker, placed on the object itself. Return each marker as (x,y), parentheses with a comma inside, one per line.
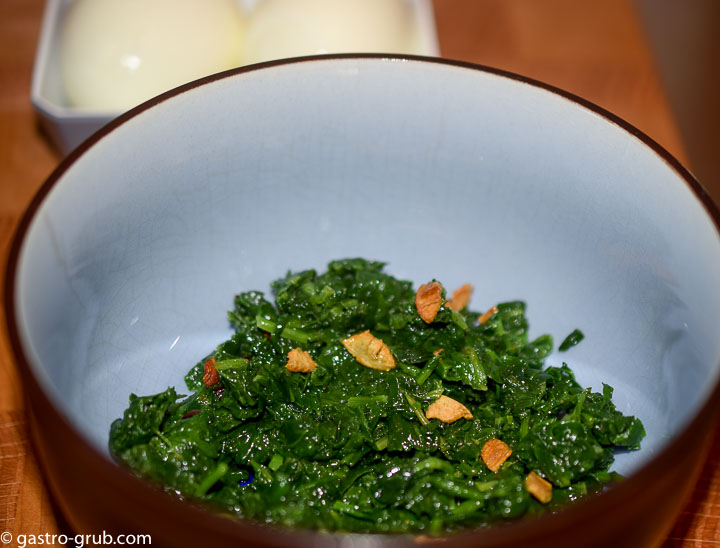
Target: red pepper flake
(210,373)
(191,413)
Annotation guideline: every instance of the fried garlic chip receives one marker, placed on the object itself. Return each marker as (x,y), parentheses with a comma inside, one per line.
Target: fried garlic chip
(370,351)
(300,361)
(488,314)
(494,453)
(460,297)
(428,300)
(538,487)
(447,410)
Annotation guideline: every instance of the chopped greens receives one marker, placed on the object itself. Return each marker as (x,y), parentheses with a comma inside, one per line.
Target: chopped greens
(571,340)
(340,408)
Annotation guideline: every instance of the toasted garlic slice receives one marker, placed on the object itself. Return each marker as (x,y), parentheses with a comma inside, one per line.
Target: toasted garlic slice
(538,487)
(489,314)
(447,410)
(494,453)
(300,361)
(428,300)
(460,297)
(370,351)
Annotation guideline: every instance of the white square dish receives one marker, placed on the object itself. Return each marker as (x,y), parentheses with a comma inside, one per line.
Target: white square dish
(68,126)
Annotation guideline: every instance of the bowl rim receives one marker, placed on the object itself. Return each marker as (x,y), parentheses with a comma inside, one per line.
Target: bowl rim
(590,506)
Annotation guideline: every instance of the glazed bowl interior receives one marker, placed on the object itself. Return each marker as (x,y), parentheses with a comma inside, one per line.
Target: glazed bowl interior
(133,257)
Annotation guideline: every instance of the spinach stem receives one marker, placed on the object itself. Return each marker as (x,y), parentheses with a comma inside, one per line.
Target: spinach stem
(356,401)
(417,409)
(230,363)
(295,335)
(211,479)
(265,324)
(428,370)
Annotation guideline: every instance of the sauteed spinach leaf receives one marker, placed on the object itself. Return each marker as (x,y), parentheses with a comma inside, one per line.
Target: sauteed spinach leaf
(356,403)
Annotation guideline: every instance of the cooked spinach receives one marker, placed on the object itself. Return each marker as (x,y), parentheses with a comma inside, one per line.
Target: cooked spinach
(571,340)
(312,438)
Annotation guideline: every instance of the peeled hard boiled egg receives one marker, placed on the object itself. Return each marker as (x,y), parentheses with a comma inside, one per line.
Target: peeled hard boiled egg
(115,54)
(289,28)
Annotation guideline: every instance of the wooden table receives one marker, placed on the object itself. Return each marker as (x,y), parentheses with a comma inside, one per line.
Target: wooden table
(595,49)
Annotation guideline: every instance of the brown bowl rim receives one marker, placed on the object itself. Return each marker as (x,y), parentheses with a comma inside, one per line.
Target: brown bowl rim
(521,529)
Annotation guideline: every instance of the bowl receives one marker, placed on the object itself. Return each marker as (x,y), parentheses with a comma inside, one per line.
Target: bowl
(126,261)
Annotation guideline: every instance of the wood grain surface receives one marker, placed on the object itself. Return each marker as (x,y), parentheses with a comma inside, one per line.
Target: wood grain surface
(595,49)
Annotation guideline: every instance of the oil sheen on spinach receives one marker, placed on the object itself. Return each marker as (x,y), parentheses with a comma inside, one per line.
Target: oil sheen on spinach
(349,448)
